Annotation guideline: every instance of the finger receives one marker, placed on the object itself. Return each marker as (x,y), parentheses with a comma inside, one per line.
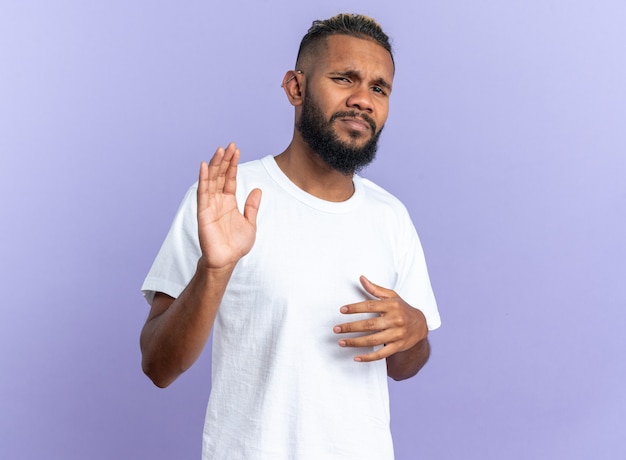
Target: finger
(375,290)
(230,179)
(214,166)
(364,325)
(371,340)
(382,353)
(203,185)
(224,166)
(366,306)
(251,208)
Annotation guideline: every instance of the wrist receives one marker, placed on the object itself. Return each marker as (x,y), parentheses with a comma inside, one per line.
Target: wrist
(205,269)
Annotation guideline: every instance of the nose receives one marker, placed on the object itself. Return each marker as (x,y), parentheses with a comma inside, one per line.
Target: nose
(361,99)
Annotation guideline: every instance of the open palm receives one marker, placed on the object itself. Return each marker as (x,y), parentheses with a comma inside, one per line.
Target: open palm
(225,233)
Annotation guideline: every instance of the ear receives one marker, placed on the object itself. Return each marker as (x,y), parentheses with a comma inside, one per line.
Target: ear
(293,85)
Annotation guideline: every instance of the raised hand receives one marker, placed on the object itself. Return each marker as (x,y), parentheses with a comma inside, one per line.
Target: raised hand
(399,326)
(225,233)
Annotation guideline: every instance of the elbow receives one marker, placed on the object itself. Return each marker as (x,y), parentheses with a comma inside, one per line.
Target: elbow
(158,381)
(404,374)
(155,365)
(407,364)
(156,374)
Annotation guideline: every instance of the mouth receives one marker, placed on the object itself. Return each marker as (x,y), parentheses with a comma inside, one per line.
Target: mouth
(355,122)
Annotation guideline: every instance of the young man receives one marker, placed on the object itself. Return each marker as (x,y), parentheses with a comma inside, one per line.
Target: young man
(303,341)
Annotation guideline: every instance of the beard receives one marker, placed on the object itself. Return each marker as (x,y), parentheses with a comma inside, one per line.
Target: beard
(346,157)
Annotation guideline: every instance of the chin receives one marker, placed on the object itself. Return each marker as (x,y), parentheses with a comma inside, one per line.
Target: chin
(356,139)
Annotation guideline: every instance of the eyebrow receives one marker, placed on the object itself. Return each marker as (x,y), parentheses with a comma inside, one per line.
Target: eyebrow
(355,73)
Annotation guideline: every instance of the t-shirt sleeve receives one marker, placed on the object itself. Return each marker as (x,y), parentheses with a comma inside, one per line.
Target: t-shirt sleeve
(175,264)
(413,281)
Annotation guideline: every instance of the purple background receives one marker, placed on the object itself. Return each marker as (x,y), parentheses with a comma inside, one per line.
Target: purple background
(506,140)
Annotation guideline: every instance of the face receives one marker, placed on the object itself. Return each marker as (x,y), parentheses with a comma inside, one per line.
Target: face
(346,101)
(320,134)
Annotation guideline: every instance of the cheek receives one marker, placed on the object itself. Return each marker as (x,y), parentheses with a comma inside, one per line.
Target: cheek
(333,98)
(381,114)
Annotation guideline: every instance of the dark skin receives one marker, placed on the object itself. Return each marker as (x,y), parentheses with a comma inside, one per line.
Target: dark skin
(177,330)
(346,74)
(398,327)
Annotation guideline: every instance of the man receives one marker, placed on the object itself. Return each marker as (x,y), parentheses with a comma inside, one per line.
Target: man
(302,339)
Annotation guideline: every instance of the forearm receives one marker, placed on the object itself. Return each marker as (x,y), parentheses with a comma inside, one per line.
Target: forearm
(175,335)
(405,364)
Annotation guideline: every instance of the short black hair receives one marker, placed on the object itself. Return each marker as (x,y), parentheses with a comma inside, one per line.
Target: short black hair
(354,25)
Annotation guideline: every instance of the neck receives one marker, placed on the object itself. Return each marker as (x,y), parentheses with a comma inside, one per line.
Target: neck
(309,172)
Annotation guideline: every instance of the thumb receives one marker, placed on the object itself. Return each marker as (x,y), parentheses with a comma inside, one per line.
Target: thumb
(376,290)
(251,208)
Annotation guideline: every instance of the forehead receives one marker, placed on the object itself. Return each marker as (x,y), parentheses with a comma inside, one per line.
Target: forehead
(343,52)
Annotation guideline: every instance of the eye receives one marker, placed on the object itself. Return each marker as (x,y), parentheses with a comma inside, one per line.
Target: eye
(379,90)
(341,79)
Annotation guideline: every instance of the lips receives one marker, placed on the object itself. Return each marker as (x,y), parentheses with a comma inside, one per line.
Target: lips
(356,124)
(355,121)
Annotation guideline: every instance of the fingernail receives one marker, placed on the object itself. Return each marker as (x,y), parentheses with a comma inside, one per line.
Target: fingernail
(342,343)
(336,329)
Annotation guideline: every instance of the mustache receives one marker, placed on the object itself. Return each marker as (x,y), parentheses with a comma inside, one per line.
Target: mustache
(354,114)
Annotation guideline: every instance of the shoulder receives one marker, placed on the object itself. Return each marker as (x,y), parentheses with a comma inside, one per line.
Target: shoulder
(376,195)
(251,166)
(254,168)
(253,171)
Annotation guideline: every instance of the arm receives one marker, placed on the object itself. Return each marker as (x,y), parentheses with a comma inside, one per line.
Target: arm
(406,364)
(177,329)
(399,327)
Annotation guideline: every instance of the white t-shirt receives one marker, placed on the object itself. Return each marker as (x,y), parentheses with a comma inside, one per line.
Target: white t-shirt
(282,388)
